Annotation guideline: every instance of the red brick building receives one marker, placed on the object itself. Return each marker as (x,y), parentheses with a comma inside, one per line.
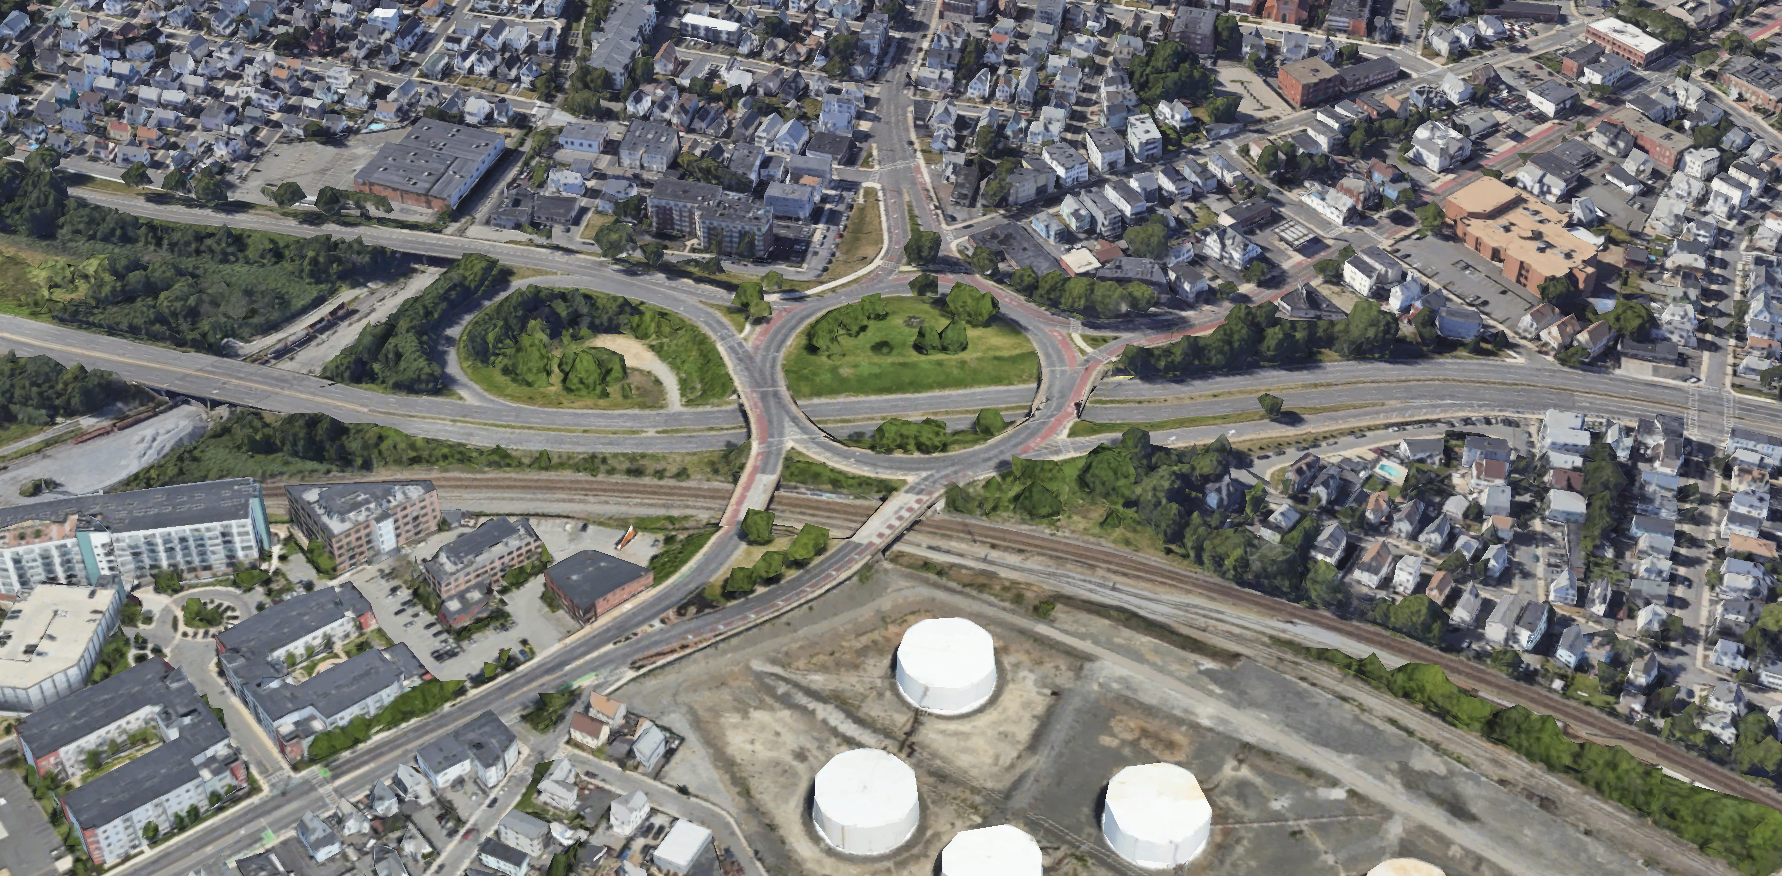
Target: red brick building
(592,583)
(1617,37)
(1309,82)
(363,522)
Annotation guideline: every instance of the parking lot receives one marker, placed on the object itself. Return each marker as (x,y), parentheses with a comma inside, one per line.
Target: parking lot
(1468,276)
(314,165)
(405,621)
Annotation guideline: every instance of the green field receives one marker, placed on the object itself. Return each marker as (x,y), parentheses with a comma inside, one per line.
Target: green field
(999,355)
(646,390)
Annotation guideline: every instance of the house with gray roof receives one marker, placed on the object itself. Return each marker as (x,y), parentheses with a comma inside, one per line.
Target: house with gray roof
(483,747)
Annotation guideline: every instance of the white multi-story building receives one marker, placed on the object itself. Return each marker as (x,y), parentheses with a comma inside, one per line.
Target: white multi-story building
(202,531)
(484,747)
(1439,147)
(147,702)
(56,635)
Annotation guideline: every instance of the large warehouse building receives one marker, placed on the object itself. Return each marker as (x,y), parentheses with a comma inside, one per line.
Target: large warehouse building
(434,167)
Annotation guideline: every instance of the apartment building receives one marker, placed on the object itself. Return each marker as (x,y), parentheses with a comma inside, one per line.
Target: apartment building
(293,713)
(291,631)
(195,757)
(364,522)
(204,530)
(478,559)
(674,205)
(484,749)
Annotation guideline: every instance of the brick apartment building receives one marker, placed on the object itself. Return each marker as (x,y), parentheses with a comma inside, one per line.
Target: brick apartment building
(1309,82)
(1754,80)
(1662,144)
(474,563)
(363,522)
(1522,234)
(592,583)
(1617,37)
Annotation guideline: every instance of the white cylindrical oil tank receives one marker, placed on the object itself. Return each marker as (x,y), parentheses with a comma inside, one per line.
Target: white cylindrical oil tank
(1003,850)
(865,802)
(1156,816)
(946,666)
(1405,867)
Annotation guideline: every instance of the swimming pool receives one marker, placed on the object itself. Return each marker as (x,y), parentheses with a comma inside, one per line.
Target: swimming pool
(1391,471)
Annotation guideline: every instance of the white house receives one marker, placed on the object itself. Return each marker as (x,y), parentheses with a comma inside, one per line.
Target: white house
(1439,147)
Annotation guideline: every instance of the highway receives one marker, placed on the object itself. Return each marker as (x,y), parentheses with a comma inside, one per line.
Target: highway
(775,422)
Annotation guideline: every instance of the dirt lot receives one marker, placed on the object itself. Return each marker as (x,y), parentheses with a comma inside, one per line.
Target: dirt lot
(1300,781)
(314,165)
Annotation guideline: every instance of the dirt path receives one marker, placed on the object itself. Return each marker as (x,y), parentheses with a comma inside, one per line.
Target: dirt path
(641,357)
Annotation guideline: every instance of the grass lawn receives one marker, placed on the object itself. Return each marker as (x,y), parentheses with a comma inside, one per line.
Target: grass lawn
(646,390)
(861,243)
(999,355)
(594,223)
(808,471)
(735,317)
(1096,342)
(1087,428)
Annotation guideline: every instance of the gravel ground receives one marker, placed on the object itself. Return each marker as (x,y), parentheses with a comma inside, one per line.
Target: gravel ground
(102,462)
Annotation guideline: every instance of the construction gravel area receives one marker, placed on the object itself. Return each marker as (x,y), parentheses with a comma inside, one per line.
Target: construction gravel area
(104,461)
(1300,780)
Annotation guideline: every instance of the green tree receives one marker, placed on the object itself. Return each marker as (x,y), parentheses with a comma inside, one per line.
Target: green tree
(990,422)
(922,248)
(1256,271)
(966,302)
(1024,280)
(1558,289)
(1431,218)
(1149,240)
(286,194)
(810,541)
(591,371)
(151,832)
(983,261)
(652,254)
(1631,318)
(329,201)
(137,175)
(614,239)
(208,188)
(924,284)
(1271,405)
(757,526)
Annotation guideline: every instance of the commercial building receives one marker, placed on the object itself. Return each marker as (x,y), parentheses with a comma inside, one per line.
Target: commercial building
(364,522)
(1522,234)
(484,749)
(202,530)
(1754,80)
(147,703)
(1369,73)
(464,571)
(1620,38)
(685,845)
(590,583)
(434,166)
(52,639)
(1310,81)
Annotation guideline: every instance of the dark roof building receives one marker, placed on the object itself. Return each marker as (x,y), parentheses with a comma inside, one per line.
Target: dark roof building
(1128,269)
(434,166)
(839,147)
(194,758)
(590,584)
(476,560)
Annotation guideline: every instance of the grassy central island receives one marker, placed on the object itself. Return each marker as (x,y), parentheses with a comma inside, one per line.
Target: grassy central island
(883,360)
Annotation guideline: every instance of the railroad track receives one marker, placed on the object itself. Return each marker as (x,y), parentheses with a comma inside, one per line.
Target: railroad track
(1108,563)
